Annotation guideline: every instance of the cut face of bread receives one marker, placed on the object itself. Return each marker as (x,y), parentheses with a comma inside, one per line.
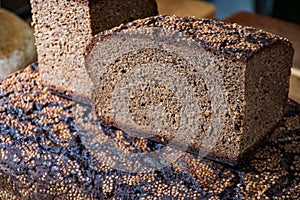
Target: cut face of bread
(213,87)
(63,29)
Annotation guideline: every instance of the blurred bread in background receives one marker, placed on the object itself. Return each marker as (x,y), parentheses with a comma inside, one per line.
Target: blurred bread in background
(17,48)
(195,8)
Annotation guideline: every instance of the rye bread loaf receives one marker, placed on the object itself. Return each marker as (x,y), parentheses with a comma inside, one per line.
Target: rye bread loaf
(207,85)
(42,156)
(63,29)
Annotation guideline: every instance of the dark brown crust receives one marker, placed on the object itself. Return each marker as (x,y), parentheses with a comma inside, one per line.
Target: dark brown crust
(248,153)
(231,41)
(259,143)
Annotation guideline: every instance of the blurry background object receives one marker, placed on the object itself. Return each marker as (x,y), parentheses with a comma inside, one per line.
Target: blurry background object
(288,10)
(19,7)
(264,7)
(196,8)
(228,7)
(16,43)
(295,85)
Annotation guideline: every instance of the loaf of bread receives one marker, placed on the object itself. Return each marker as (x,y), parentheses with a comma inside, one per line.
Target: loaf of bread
(43,156)
(17,48)
(210,86)
(63,29)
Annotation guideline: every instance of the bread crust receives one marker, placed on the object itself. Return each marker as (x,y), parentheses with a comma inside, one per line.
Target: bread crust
(225,40)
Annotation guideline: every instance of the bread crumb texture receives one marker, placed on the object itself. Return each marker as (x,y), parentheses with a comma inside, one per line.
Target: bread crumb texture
(64,28)
(42,156)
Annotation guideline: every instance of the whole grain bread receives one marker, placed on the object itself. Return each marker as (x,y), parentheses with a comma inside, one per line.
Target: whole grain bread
(210,86)
(63,29)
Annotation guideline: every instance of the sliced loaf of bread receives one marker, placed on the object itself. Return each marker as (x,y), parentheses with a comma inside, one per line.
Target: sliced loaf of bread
(206,85)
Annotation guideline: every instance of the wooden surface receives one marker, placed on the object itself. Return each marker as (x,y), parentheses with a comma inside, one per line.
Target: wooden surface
(196,8)
(279,27)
